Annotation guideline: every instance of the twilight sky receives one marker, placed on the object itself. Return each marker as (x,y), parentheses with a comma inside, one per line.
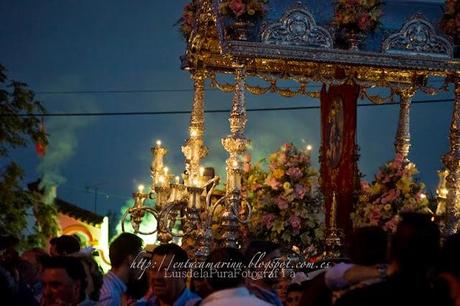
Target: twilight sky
(75,46)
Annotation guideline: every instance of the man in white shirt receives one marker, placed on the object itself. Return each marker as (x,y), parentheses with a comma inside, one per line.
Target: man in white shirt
(122,252)
(226,279)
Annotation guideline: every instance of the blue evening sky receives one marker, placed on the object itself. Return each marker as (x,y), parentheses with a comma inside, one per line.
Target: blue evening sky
(132,45)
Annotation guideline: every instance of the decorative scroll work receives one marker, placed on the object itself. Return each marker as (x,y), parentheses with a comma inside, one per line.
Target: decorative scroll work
(297,27)
(418,37)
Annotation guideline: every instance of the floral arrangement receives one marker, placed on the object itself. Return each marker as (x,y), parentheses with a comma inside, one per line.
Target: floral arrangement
(287,206)
(243,8)
(450,22)
(394,190)
(186,21)
(359,16)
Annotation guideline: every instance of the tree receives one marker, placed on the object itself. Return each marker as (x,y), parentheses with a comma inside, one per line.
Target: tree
(18,125)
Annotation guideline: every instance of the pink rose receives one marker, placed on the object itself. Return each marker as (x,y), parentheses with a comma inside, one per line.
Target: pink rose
(391,225)
(375,215)
(268,220)
(365,186)
(273,183)
(295,222)
(294,173)
(390,196)
(281,202)
(238,7)
(300,191)
(246,167)
(281,158)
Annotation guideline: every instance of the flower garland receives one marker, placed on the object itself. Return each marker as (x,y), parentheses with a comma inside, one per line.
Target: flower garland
(360,16)
(287,206)
(243,8)
(450,22)
(394,190)
(186,21)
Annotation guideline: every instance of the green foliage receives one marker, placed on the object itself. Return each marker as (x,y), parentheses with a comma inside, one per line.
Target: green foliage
(18,125)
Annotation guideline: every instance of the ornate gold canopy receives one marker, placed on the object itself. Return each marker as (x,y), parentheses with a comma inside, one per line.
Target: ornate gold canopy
(296,48)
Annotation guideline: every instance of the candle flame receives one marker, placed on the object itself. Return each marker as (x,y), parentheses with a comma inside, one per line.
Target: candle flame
(140,188)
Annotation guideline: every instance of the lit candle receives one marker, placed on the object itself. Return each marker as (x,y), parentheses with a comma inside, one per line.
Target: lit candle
(158,143)
(309,147)
(193,133)
(140,188)
(177,180)
(201,171)
(161,179)
(166,169)
(195,183)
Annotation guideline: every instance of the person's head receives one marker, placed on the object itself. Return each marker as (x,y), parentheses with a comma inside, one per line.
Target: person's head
(294,294)
(225,276)
(266,251)
(93,275)
(448,285)
(167,284)
(64,245)
(8,252)
(124,249)
(35,256)
(64,281)
(368,246)
(415,246)
(200,285)
(450,255)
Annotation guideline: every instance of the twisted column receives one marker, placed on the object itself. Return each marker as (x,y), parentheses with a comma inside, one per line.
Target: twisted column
(402,142)
(452,163)
(235,144)
(194,149)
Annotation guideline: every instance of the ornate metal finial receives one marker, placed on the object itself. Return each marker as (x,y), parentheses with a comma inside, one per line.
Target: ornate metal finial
(402,142)
(418,37)
(297,27)
(334,235)
(235,144)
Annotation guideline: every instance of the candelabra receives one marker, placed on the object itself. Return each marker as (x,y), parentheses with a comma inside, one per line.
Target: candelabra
(184,209)
(138,211)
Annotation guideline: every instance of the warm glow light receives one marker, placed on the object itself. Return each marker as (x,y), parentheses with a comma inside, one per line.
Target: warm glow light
(309,147)
(177,179)
(140,188)
(195,183)
(166,169)
(201,171)
(444,191)
(193,133)
(161,179)
(158,143)
(423,196)
(235,164)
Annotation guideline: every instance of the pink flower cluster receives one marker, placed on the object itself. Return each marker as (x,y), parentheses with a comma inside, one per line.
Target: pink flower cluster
(394,190)
(286,208)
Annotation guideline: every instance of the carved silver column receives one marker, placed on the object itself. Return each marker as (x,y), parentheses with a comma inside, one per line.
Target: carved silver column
(235,144)
(194,149)
(452,162)
(402,142)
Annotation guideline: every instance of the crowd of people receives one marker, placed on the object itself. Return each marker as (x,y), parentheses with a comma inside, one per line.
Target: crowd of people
(410,267)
